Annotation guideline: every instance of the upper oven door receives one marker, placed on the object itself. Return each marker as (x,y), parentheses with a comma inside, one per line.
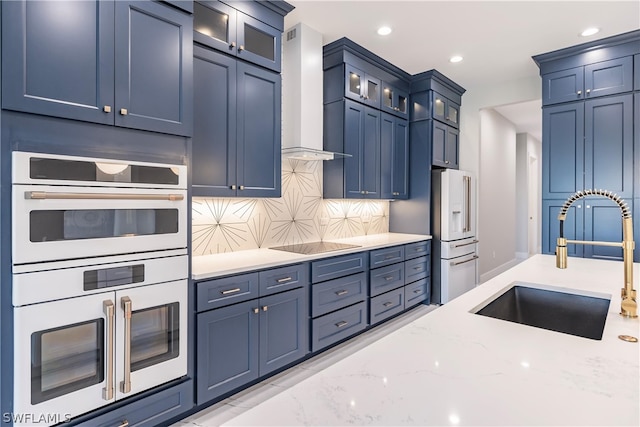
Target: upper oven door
(53,223)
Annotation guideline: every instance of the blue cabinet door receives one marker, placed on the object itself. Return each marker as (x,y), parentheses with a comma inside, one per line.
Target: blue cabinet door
(602,222)
(562,150)
(227,349)
(59,67)
(258,42)
(214,124)
(353,145)
(153,74)
(284,329)
(370,154)
(573,226)
(563,86)
(608,151)
(445,145)
(394,157)
(452,148)
(608,77)
(258,132)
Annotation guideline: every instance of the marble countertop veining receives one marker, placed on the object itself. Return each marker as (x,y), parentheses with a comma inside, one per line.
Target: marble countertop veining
(453,367)
(217,265)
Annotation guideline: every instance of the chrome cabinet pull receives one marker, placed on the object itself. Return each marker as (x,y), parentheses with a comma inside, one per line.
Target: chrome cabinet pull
(125,386)
(265,308)
(387,278)
(453,264)
(467,190)
(284,279)
(256,310)
(342,324)
(588,91)
(240,48)
(579,92)
(417,291)
(389,257)
(387,304)
(232,45)
(108,308)
(123,111)
(124,423)
(342,292)
(106,108)
(418,268)
(241,187)
(233,187)
(45,195)
(230,291)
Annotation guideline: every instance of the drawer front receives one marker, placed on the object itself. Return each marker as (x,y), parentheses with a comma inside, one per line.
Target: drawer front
(338,293)
(416,269)
(339,266)
(333,327)
(418,249)
(386,278)
(417,292)
(228,290)
(386,305)
(386,256)
(283,279)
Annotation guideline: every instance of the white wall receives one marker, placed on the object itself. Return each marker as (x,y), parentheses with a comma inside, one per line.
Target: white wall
(528,195)
(522,196)
(474,100)
(497,184)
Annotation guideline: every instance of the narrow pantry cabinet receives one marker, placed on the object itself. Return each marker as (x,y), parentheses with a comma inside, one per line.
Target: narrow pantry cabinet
(365,117)
(122,63)
(588,142)
(248,326)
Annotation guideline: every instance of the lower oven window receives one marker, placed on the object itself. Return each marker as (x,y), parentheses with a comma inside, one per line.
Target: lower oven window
(56,225)
(155,335)
(66,359)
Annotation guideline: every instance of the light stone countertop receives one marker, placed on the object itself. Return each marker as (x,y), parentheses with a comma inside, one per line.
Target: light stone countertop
(453,367)
(217,265)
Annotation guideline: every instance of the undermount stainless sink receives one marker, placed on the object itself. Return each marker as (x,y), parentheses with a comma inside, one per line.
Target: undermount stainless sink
(554,310)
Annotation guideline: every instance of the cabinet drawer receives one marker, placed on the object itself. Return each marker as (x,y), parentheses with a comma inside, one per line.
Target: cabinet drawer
(386,305)
(416,269)
(339,266)
(283,278)
(414,250)
(229,290)
(417,292)
(386,256)
(333,327)
(386,278)
(338,293)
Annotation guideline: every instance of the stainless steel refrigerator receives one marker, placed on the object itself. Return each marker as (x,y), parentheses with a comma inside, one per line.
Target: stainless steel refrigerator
(454,244)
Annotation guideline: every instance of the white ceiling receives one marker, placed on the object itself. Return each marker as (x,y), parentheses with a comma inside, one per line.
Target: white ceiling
(496,38)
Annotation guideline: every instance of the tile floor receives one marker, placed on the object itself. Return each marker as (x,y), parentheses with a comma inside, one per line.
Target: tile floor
(226,410)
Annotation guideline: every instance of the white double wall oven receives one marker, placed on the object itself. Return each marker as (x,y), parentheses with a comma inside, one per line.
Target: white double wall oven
(100,270)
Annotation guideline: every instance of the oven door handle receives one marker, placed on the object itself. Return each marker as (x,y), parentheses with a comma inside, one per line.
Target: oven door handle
(44,195)
(125,386)
(107,391)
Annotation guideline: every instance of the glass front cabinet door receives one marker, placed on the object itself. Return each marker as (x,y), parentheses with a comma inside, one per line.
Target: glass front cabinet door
(226,29)
(394,100)
(362,87)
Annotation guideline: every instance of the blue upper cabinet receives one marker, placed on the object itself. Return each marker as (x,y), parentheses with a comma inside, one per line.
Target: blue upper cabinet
(394,157)
(236,138)
(229,30)
(395,101)
(445,110)
(362,87)
(589,81)
(117,63)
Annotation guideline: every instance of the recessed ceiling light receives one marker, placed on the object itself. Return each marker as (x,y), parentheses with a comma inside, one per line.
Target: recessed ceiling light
(589,32)
(384,31)
(455,59)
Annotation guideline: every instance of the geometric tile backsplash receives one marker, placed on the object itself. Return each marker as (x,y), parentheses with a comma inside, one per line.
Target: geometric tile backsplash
(300,215)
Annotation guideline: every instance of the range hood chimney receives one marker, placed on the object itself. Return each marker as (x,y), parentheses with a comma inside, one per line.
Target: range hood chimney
(302,95)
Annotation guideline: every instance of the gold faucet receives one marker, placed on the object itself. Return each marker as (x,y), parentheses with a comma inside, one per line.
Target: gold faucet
(629,306)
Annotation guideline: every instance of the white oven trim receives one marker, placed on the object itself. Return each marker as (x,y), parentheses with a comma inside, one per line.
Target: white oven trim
(20,172)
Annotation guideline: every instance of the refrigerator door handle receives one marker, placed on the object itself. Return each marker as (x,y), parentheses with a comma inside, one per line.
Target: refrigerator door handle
(467,201)
(473,242)
(453,264)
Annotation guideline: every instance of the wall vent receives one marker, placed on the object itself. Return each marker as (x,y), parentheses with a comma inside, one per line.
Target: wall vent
(291,34)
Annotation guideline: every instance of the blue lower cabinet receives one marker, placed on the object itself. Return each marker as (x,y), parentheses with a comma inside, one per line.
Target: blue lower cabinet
(337,293)
(384,279)
(332,268)
(336,326)
(417,292)
(239,343)
(416,269)
(386,305)
(415,250)
(149,411)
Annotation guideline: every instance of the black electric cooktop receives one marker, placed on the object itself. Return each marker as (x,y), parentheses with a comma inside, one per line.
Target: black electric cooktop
(314,247)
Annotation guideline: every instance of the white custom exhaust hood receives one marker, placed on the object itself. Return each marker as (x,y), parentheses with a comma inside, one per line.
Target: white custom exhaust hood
(302,95)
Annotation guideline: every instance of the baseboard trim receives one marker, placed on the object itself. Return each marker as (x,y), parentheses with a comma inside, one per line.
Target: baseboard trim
(522,255)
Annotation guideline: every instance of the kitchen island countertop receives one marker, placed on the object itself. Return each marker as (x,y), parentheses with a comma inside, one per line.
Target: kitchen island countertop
(217,265)
(453,367)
